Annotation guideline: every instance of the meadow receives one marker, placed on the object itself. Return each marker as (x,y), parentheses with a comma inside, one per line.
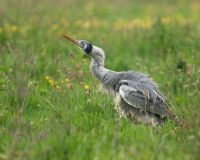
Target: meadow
(49,104)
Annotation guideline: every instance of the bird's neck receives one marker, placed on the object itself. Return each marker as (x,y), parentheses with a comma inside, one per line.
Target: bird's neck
(97,64)
(107,77)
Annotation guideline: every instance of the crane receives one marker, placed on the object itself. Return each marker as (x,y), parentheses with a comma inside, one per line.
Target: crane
(136,96)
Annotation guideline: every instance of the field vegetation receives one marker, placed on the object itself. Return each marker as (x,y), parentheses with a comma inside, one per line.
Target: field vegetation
(49,104)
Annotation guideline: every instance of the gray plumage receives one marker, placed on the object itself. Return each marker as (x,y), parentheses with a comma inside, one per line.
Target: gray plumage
(137,97)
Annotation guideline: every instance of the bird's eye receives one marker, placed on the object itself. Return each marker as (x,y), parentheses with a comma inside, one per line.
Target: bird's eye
(81,44)
(85,46)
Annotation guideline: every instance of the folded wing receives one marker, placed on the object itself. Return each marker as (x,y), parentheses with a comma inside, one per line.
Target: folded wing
(140,100)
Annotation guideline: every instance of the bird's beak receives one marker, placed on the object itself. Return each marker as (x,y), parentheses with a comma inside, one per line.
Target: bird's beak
(72,40)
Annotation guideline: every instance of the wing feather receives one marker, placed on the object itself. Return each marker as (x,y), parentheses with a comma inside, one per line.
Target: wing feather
(136,98)
(141,82)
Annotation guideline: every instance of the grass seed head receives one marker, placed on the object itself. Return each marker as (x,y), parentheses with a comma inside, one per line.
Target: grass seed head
(10,71)
(88,94)
(103,37)
(138,65)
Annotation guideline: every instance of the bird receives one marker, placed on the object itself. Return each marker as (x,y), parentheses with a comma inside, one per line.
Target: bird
(137,97)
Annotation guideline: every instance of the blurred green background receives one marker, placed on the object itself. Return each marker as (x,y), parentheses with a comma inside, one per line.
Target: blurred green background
(160,38)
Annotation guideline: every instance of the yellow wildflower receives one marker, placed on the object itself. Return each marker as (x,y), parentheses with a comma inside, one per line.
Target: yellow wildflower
(138,23)
(130,25)
(166,20)
(57,87)
(120,24)
(22,30)
(86,86)
(147,24)
(61,31)
(68,85)
(54,27)
(86,25)
(55,83)
(1,30)
(168,82)
(78,22)
(14,28)
(61,81)
(47,77)
(96,23)
(51,81)
(181,20)
(67,80)
(194,7)
(42,90)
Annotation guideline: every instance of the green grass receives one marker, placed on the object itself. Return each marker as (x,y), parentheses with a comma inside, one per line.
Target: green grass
(160,38)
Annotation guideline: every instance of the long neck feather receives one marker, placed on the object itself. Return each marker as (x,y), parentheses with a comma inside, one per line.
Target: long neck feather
(97,64)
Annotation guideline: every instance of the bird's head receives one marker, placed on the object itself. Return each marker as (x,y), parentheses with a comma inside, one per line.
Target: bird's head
(85,46)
